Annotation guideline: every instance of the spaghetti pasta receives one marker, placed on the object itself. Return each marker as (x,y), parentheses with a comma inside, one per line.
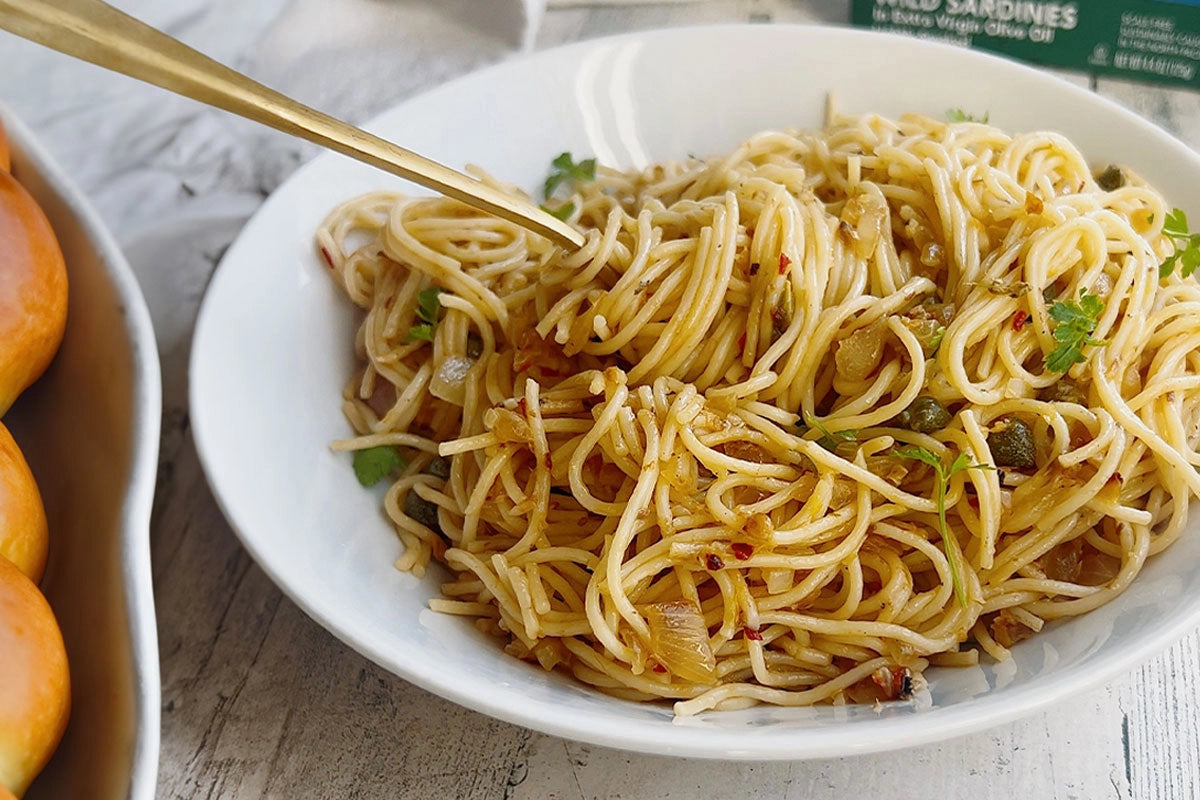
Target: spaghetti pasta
(788,428)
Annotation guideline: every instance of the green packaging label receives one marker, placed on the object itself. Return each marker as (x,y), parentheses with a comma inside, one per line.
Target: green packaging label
(1147,40)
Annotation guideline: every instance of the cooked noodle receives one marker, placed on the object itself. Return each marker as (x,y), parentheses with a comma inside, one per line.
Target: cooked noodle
(629,497)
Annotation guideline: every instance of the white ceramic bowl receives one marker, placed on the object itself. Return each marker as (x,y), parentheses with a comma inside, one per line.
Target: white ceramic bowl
(273,349)
(89,429)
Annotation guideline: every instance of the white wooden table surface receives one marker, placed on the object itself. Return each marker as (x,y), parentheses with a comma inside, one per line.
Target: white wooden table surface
(258,700)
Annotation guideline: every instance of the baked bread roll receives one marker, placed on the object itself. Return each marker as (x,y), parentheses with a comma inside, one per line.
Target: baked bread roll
(24,537)
(35,687)
(33,291)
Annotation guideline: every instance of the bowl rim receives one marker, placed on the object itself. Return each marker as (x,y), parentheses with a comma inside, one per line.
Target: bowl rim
(146,415)
(815,742)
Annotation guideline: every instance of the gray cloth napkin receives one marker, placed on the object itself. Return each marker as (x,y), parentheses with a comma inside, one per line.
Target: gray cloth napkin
(176,180)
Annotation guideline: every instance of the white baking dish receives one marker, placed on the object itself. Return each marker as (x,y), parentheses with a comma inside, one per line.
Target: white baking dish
(89,429)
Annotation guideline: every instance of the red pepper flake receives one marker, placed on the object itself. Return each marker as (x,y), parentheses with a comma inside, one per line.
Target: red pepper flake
(548,462)
(524,365)
(754,268)
(895,683)
(752,634)
(742,343)
(714,562)
(784,263)
(749,233)
(660,669)
(553,372)
(1019,319)
(522,408)
(742,551)
(328,259)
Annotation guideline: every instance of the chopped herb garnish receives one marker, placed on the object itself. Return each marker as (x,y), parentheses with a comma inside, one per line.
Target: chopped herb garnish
(936,341)
(429,308)
(563,212)
(829,439)
(563,169)
(422,333)
(1187,246)
(960,464)
(376,463)
(958,115)
(1076,322)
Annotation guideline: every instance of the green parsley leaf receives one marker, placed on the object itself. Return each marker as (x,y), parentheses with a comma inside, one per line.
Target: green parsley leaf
(563,212)
(376,463)
(1168,265)
(422,332)
(961,464)
(921,454)
(1191,260)
(1176,224)
(936,341)
(429,307)
(1076,322)
(828,439)
(958,115)
(1187,246)
(563,169)
(943,474)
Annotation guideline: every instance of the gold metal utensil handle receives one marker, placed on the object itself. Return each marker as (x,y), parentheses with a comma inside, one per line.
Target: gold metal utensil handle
(95,31)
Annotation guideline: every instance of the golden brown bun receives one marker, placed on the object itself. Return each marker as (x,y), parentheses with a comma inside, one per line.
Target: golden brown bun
(35,688)
(24,537)
(6,165)
(33,291)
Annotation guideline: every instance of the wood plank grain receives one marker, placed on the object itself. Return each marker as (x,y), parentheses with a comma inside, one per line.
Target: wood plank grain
(259,701)
(1072,751)
(1161,724)
(1161,703)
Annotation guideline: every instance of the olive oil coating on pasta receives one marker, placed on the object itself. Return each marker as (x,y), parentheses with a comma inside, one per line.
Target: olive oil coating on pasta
(797,422)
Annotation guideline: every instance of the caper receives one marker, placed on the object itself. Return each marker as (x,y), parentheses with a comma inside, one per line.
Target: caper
(1062,391)
(422,510)
(439,467)
(1111,179)
(1012,444)
(924,415)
